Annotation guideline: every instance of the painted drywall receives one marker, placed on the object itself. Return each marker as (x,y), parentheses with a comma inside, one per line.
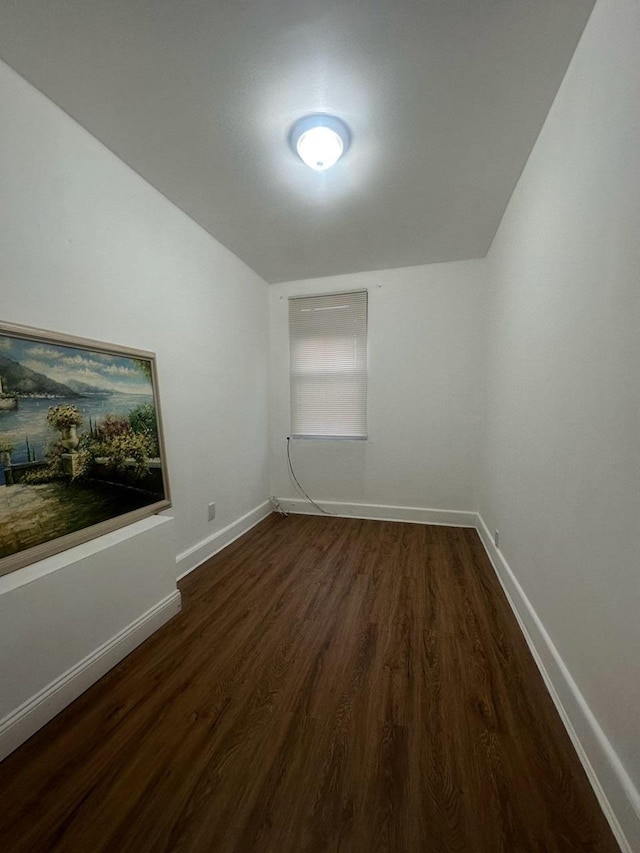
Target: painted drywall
(426,348)
(68,619)
(444,100)
(89,248)
(561,476)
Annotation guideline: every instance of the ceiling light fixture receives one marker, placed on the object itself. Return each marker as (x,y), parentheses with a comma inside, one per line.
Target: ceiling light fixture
(320,140)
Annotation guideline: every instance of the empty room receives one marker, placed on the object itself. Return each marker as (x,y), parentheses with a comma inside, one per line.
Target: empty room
(376,586)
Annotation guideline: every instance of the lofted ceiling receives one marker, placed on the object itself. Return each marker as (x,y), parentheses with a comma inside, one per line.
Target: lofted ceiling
(444,98)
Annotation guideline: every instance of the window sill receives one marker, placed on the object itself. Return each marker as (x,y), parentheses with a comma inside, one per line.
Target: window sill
(332,437)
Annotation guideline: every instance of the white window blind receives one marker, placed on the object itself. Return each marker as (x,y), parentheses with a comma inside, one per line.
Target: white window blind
(328,351)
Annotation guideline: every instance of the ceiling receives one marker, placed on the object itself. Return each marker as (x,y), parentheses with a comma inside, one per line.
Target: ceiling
(444,98)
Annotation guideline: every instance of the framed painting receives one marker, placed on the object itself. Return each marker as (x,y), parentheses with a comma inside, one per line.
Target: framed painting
(81,443)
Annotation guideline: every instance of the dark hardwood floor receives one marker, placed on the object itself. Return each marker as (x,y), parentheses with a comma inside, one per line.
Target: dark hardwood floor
(331,685)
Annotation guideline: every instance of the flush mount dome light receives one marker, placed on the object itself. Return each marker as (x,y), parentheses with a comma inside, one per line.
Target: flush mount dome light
(320,140)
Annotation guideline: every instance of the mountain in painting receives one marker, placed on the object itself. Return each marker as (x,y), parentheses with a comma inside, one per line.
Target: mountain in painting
(86,390)
(20,380)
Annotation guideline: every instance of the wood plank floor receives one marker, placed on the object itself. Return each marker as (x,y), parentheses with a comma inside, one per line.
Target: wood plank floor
(331,685)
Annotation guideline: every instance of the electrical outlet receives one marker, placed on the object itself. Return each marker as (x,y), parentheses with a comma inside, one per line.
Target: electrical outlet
(212,512)
(496,538)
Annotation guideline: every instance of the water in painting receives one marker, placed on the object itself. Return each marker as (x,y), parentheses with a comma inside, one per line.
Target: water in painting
(79,440)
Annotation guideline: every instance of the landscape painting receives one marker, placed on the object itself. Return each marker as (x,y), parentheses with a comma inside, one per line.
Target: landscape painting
(81,444)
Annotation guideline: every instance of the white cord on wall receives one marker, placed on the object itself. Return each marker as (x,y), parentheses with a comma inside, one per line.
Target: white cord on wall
(275,503)
(297,482)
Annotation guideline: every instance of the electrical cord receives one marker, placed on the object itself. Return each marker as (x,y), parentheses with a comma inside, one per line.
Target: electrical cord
(297,482)
(275,503)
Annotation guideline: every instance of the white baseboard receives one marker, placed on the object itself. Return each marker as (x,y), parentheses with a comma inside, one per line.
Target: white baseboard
(618,797)
(614,789)
(382,512)
(190,559)
(20,724)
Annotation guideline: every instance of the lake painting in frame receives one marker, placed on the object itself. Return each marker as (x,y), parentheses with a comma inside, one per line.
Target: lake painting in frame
(81,443)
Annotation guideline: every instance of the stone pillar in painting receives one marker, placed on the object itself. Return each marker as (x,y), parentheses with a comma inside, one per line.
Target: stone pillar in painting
(71,464)
(5,459)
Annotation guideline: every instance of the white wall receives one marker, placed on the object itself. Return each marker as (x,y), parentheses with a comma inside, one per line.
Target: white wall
(562,450)
(67,620)
(426,333)
(88,248)
(544,436)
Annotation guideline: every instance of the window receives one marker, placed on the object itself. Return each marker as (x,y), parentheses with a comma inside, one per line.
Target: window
(328,350)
